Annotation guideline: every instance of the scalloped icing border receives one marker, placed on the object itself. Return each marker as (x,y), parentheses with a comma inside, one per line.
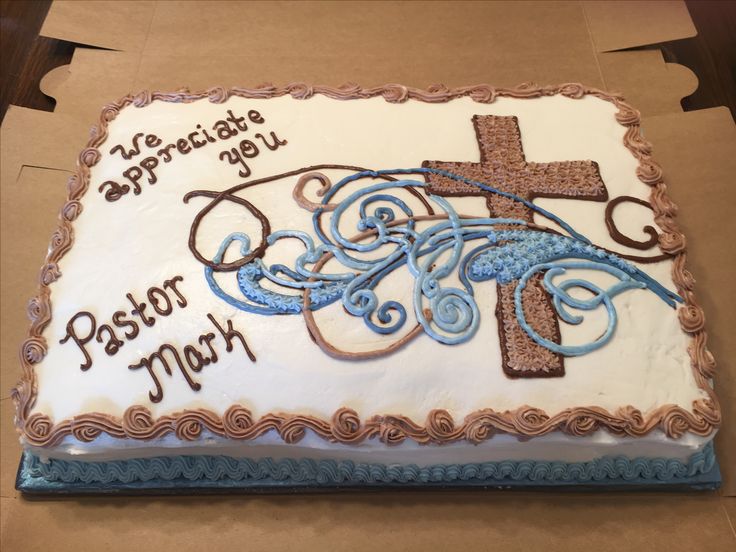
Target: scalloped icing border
(226,470)
(345,426)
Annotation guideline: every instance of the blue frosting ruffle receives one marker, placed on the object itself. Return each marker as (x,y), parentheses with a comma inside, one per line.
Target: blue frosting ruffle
(223,468)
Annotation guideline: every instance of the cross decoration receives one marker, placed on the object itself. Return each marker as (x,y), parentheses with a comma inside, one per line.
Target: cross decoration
(503,166)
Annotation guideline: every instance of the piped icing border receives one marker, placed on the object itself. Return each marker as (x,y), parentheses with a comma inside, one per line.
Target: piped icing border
(224,470)
(345,426)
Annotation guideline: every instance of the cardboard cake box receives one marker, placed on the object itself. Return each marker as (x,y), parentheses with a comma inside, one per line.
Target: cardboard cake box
(164,46)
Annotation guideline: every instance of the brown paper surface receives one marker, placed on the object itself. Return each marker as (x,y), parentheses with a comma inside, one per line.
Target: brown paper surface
(637,23)
(696,177)
(167,45)
(113,24)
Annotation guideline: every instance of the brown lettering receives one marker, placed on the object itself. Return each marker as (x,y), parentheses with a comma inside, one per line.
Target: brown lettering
(239,122)
(196,143)
(118,318)
(115,192)
(134,175)
(171,284)
(255,117)
(164,152)
(129,154)
(147,363)
(206,339)
(191,352)
(276,141)
(229,335)
(71,332)
(153,141)
(113,343)
(183,146)
(223,130)
(248,149)
(210,139)
(150,163)
(155,301)
(139,310)
(233,157)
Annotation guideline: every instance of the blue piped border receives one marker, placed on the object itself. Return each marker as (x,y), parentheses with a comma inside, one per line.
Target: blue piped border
(222,473)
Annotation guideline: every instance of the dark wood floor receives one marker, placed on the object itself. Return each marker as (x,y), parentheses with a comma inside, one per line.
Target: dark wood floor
(26,57)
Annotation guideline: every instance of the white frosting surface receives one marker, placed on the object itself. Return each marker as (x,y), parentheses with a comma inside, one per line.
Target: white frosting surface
(139,241)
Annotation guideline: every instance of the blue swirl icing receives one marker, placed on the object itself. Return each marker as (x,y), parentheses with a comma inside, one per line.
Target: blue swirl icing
(224,468)
(506,255)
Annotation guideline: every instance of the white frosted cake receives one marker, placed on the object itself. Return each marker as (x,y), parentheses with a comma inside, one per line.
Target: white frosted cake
(315,286)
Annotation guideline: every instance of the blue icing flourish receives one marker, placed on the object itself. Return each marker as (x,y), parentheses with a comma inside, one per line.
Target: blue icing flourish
(224,469)
(560,295)
(508,251)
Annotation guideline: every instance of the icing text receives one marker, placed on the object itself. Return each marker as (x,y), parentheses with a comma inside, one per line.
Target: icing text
(145,169)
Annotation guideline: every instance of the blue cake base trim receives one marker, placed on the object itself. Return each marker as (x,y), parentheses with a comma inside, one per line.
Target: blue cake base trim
(222,473)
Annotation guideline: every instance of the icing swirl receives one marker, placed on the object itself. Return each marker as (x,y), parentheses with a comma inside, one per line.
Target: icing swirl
(50,272)
(649,172)
(396,93)
(391,434)
(661,203)
(672,242)
(441,426)
(292,430)
(346,426)
(479,429)
(483,94)
(218,95)
(691,318)
(627,116)
(87,427)
(701,356)
(71,210)
(39,312)
(307,204)
(76,186)
(572,90)
(675,423)
(238,422)
(142,99)
(138,423)
(582,423)
(189,424)
(301,91)
(34,349)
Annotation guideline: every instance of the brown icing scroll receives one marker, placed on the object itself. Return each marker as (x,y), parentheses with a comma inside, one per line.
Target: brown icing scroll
(625,240)
(345,426)
(306,174)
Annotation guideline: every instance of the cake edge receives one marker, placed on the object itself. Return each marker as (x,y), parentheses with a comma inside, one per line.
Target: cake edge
(345,426)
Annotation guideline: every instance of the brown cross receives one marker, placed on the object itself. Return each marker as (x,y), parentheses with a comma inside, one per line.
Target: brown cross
(503,166)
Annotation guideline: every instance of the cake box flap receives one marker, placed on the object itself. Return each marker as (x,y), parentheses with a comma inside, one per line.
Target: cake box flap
(35,163)
(559,44)
(618,26)
(111,24)
(644,75)
(694,177)
(612,25)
